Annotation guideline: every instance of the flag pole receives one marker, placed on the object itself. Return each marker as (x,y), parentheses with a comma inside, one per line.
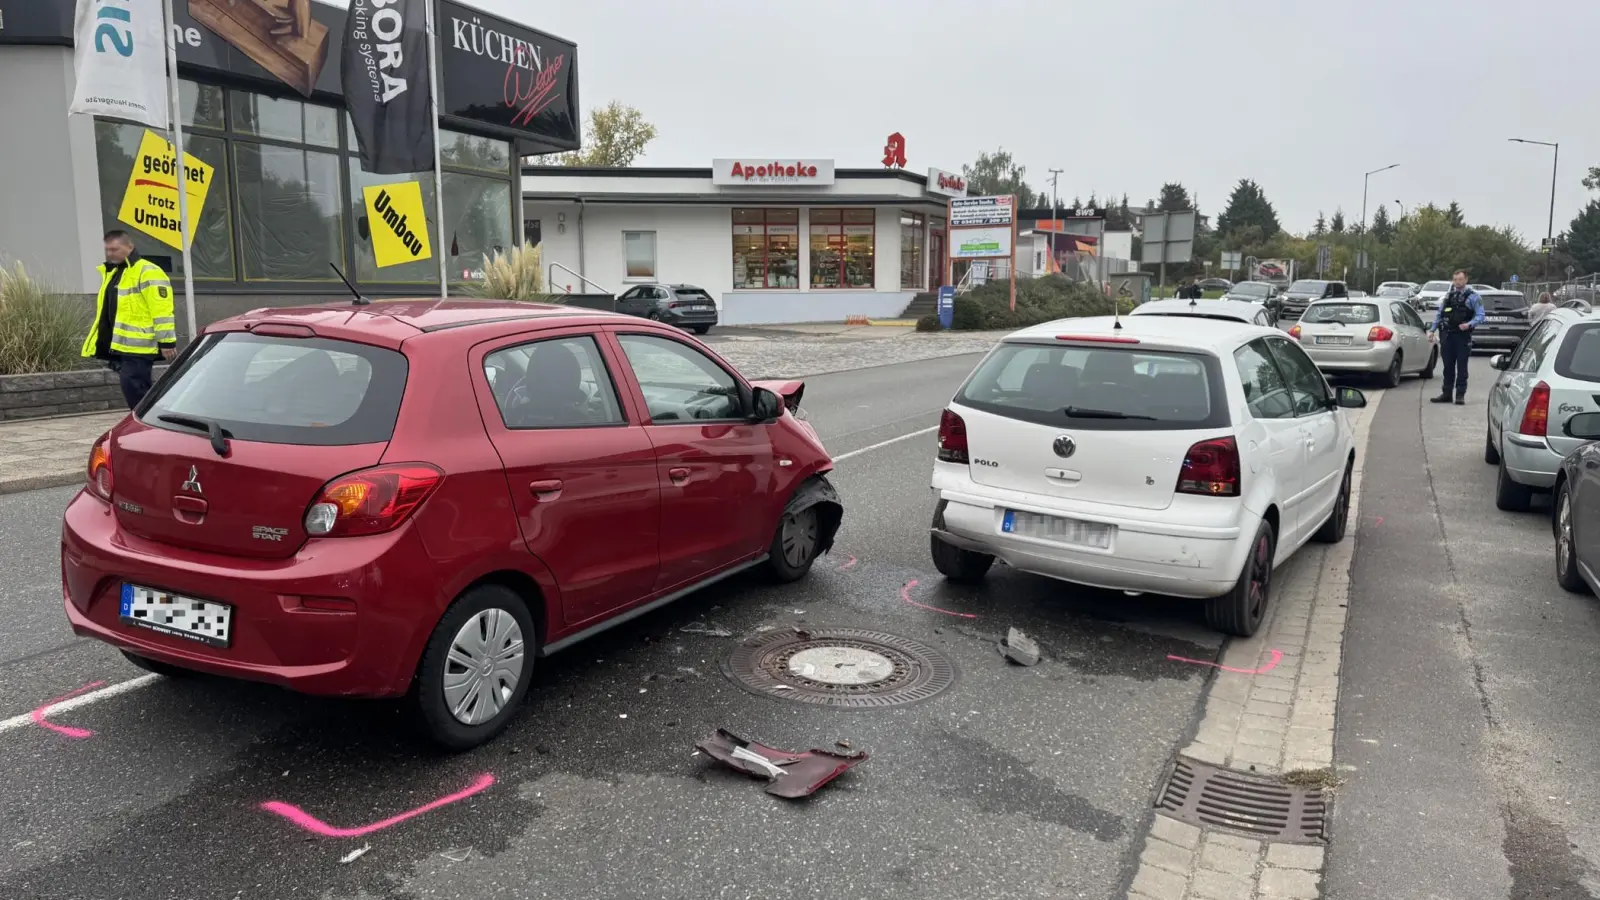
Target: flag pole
(182,174)
(443,249)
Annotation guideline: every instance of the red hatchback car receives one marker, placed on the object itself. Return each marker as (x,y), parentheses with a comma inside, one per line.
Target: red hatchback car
(420,498)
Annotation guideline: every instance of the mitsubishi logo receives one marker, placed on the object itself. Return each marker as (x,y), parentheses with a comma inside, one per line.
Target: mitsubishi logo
(1065,446)
(193,482)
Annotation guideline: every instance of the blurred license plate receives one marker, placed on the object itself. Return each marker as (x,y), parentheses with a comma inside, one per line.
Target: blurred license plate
(1056,528)
(1503,320)
(1342,340)
(702,308)
(184,617)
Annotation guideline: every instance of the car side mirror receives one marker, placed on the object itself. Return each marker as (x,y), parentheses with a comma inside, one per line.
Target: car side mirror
(1500,362)
(765,406)
(1349,398)
(1584,426)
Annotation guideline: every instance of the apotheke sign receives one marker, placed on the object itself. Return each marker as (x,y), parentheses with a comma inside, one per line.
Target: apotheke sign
(766,172)
(946,184)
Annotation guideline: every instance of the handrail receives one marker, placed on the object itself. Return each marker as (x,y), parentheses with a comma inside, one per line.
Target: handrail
(551,278)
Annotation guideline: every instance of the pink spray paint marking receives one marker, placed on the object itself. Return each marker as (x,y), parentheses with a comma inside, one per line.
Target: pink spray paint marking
(1379,521)
(1277,657)
(905,594)
(848,565)
(76,734)
(316,826)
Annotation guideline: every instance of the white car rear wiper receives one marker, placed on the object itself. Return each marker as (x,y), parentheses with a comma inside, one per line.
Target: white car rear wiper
(1080,412)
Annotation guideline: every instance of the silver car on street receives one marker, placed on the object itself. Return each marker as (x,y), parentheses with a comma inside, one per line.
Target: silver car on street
(1551,376)
(1366,336)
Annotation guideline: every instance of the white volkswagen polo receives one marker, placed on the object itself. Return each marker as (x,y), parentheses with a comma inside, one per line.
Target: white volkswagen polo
(1148,454)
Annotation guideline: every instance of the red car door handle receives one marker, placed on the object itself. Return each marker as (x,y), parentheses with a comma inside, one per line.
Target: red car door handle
(679,475)
(545,490)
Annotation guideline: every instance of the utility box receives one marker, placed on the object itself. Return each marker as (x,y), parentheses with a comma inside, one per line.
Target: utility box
(947,306)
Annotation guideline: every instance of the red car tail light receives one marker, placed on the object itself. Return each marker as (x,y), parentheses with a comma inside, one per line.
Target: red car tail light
(1295,332)
(1379,334)
(1211,468)
(952,438)
(371,501)
(100,481)
(1536,418)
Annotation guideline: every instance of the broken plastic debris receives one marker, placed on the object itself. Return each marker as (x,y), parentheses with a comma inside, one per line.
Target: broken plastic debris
(457,854)
(703,628)
(1019,648)
(354,855)
(798,774)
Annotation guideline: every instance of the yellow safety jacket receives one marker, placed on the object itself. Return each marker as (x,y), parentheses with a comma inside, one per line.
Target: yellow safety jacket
(144,322)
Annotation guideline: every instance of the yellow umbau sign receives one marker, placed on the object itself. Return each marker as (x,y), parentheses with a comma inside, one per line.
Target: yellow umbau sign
(150,203)
(399,223)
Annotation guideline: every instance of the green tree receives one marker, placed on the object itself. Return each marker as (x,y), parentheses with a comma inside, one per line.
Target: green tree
(1382,227)
(1582,238)
(1174,197)
(1592,180)
(1337,225)
(1427,246)
(997,174)
(1457,218)
(1248,206)
(1322,224)
(615,136)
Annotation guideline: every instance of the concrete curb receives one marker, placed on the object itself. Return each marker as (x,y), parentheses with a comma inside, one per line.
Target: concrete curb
(1276,722)
(40,482)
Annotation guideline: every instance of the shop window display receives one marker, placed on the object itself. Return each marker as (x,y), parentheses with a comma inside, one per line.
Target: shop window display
(842,245)
(766,249)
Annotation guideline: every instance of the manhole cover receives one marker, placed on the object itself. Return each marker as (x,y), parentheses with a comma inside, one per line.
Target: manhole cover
(840,667)
(1255,805)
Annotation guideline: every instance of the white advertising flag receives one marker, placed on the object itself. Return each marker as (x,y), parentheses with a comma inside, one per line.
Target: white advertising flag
(120,57)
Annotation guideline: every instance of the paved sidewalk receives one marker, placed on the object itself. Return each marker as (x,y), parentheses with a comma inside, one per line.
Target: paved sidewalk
(1273,723)
(41,453)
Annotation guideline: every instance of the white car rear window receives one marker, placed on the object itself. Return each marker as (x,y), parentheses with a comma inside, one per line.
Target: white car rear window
(1107,388)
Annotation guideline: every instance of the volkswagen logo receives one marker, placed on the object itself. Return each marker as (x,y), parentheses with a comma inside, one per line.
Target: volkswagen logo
(1065,446)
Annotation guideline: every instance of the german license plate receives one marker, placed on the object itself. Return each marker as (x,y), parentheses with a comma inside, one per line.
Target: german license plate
(1341,340)
(702,308)
(1501,320)
(184,617)
(1055,528)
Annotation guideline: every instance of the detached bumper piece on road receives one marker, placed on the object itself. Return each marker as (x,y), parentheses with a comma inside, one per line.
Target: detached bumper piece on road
(791,775)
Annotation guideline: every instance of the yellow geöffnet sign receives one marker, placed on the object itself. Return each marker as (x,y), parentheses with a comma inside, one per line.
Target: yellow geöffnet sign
(150,203)
(398,221)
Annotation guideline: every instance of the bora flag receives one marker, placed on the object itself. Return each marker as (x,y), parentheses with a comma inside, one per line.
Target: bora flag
(385,74)
(121,61)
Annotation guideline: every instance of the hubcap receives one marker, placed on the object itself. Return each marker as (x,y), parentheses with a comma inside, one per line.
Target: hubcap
(483,667)
(1563,533)
(799,537)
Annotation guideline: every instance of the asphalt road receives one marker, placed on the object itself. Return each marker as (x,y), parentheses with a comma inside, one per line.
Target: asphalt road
(1467,718)
(1016,782)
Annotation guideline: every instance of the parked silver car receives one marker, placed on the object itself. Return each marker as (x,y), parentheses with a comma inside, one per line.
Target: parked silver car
(1227,310)
(1366,336)
(1551,376)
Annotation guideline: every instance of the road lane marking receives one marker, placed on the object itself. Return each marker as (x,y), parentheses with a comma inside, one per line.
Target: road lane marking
(315,825)
(881,444)
(73,702)
(123,687)
(1277,657)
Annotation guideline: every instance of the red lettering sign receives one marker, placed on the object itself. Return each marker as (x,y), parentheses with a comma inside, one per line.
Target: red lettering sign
(951,182)
(894,152)
(773,169)
(539,93)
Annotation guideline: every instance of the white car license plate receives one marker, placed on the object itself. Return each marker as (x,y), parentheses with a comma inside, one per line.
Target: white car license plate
(1341,340)
(184,617)
(703,308)
(1056,528)
(1501,320)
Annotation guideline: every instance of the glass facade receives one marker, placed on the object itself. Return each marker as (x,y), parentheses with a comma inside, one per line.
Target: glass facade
(842,243)
(287,197)
(766,249)
(913,251)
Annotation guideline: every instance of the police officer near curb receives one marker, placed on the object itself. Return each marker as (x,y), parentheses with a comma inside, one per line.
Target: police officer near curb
(134,324)
(1460,312)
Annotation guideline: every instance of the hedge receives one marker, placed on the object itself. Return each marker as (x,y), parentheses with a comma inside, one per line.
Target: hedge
(1039,300)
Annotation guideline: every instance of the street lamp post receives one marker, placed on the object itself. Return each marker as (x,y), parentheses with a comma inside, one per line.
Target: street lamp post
(1364,179)
(1402,208)
(1555,166)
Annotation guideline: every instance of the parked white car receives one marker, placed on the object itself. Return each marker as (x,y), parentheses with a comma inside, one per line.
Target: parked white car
(1367,336)
(1225,310)
(1156,454)
(1431,295)
(1553,375)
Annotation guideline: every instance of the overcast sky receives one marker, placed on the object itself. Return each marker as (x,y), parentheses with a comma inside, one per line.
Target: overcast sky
(1122,95)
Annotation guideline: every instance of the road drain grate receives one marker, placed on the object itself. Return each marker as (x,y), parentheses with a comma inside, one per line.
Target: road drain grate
(1258,806)
(845,668)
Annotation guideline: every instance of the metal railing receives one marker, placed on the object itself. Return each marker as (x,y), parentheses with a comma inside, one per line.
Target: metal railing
(1585,287)
(550,280)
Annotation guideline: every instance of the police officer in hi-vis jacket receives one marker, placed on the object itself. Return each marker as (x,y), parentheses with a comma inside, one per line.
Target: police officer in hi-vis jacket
(1459,313)
(133,321)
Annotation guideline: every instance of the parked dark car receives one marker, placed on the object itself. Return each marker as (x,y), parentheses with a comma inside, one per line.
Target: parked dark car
(683,305)
(1307,291)
(1575,510)
(1216,284)
(1505,320)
